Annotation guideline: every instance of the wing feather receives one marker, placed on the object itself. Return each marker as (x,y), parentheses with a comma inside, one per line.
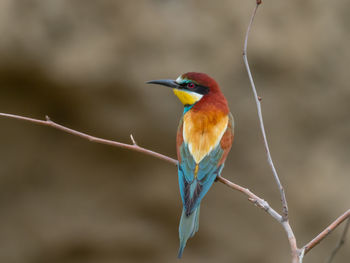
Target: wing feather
(195,182)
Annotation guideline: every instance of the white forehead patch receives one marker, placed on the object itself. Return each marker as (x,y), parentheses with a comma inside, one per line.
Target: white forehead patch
(179,80)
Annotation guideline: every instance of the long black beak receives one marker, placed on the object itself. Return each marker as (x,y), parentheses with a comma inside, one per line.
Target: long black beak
(165,82)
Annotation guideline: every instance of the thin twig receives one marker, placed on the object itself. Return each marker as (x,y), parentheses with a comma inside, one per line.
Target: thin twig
(297,255)
(258,104)
(52,124)
(341,241)
(326,232)
(133,140)
(251,197)
(284,220)
(259,202)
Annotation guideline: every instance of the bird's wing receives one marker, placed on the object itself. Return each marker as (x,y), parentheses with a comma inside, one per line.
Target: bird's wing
(195,180)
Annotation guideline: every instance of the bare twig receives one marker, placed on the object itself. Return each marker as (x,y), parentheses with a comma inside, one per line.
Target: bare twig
(284,220)
(133,140)
(341,241)
(251,197)
(258,104)
(133,146)
(259,202)
(326,232)
(297,255)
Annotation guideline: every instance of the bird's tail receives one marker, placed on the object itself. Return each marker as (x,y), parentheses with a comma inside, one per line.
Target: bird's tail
(188,227)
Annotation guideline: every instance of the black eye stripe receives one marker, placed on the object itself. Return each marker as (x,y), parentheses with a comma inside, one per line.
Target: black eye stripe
(201,89)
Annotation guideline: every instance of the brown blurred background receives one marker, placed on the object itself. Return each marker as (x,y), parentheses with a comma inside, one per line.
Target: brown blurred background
(84,63)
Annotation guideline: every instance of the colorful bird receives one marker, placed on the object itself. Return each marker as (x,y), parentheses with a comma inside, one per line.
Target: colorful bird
(204,138)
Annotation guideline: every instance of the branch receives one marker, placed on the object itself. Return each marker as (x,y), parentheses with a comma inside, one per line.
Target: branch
(258,104)
(91,138)
(297,255)
(251,197)
(284,220)
(259,202)
(327,231)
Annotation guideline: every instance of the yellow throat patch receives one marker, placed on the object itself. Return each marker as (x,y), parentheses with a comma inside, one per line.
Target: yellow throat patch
(187,97)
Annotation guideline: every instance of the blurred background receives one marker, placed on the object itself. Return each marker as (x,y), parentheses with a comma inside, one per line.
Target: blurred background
(85,63)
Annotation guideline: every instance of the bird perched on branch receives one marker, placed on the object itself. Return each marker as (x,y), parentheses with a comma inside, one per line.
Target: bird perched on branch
(204,138)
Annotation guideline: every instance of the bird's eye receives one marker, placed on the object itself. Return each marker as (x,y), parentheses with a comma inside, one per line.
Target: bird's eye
(190,85)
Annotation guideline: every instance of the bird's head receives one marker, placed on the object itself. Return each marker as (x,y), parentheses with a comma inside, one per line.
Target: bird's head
(190,87)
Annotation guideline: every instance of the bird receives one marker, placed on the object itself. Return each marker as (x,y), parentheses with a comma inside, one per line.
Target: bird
(204,138)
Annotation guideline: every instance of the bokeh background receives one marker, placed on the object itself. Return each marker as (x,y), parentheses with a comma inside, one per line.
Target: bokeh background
(84,64)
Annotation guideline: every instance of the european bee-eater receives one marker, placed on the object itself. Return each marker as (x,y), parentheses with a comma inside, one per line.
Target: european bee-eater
(204,138)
